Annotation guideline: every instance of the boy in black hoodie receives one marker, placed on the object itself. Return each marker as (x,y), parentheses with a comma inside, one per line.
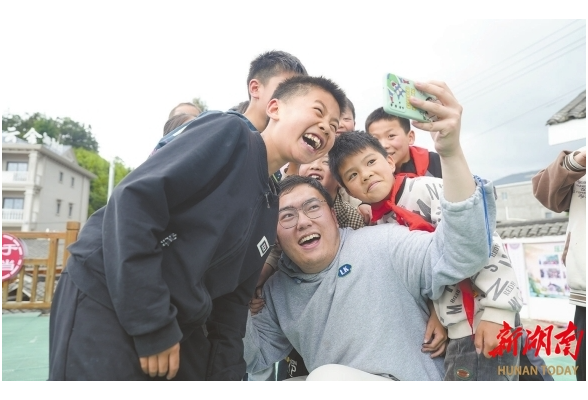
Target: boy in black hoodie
(159,280)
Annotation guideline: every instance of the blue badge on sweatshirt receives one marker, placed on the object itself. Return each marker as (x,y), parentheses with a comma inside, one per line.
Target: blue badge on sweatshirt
(344,270)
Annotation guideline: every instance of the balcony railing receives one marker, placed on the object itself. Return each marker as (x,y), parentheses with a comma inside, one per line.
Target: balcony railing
(9,214)
(15,176)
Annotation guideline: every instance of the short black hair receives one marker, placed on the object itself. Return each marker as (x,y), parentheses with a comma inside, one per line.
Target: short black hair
(292,181)
(379,114)
(273,63)
(348,144)
(300,85)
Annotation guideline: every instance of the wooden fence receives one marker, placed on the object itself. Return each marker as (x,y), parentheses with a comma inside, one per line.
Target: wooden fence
(36,279)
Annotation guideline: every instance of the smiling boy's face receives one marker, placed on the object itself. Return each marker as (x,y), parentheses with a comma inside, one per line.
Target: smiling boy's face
(368,175)
(393,138)
(307,124)
(319,169)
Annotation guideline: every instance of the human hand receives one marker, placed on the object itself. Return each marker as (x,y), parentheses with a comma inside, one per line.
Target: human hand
(257,303)
(366,212)
(266,271)
(486,338)
(435,337)
(445,131)
(580,157)
(160,364)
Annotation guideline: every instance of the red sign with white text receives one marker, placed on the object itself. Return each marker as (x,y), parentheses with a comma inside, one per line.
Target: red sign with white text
(13,254)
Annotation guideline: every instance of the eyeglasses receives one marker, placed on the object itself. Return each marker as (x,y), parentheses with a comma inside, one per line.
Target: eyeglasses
(288,217)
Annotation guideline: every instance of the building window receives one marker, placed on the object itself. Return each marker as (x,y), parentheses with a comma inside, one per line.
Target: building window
(73,180)
(70,212)
(60,177)
(17,166)
(58,209)
(12,203)
(504,196)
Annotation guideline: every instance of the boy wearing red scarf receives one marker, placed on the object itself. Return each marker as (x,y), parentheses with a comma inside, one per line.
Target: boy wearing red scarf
(481,304)
(395,135)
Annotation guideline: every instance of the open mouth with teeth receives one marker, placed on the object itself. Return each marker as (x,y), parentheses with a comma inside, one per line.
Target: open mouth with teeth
(312,140)
(315,176)
(309,240)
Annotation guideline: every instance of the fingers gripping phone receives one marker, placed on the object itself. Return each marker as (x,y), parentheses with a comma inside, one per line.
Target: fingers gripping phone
(397,92)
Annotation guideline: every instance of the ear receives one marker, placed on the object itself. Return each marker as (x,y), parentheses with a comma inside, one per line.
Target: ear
(254,86)
(272,109)
(391,162)
(410,137)
(278,246)
(334,217)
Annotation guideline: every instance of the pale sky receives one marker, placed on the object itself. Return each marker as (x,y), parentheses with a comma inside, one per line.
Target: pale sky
(121,67)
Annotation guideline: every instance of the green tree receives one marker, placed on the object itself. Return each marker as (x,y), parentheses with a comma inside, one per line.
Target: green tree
(65,130)
(11,121)
(99,167)
(69,132)
(200,103)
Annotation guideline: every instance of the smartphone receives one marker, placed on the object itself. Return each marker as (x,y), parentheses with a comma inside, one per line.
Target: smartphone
(397,91)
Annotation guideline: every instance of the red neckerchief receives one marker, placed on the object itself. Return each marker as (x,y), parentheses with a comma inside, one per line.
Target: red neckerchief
(414,221)
(404,217)
(420,157)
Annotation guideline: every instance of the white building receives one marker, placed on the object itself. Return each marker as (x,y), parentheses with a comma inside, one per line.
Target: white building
(516,202)
(43,186)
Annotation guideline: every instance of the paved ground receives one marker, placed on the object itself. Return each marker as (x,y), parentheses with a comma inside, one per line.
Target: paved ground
(25,347)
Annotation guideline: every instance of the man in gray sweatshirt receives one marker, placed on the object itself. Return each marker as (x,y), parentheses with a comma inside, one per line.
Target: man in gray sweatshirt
(358,298)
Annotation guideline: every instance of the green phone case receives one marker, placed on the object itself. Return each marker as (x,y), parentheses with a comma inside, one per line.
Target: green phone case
(397,91)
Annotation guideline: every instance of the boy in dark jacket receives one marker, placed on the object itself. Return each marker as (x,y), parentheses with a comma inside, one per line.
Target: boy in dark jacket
(159,280)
